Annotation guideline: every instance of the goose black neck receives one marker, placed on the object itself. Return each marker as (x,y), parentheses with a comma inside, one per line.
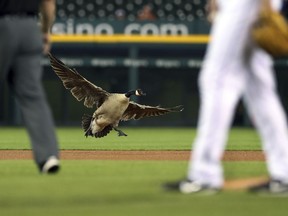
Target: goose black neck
(130,93)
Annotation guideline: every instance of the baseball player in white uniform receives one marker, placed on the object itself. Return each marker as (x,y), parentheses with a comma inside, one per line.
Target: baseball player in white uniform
(235,68)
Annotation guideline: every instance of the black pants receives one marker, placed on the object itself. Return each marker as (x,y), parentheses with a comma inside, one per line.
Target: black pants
(20,65)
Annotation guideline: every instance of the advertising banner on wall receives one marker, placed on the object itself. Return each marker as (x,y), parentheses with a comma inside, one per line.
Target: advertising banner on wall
(86,27)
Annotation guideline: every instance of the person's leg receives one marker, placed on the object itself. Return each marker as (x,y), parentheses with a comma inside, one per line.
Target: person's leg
(7,50)
(222,81)
(27,84)
(268,114)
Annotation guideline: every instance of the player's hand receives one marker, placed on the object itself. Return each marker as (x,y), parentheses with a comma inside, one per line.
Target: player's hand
(211,10)
(46,43)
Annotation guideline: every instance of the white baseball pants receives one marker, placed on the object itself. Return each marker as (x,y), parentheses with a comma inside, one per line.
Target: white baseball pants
(234,67)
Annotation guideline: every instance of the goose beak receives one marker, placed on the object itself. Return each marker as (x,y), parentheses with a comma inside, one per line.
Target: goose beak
(139,92)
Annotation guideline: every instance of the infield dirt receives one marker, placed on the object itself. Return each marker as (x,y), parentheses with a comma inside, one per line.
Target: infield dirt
(238,184)
(131,155)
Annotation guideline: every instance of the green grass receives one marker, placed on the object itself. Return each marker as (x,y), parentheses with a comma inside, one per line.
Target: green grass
(123,188)
(109,188)
(137,139)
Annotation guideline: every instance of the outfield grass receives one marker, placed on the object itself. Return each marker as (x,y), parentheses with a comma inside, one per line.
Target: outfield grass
(109,188)
(137,139)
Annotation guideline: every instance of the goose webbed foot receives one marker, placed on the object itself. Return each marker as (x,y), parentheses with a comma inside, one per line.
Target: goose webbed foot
(120,133)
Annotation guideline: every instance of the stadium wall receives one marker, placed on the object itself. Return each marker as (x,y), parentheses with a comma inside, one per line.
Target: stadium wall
(165,66)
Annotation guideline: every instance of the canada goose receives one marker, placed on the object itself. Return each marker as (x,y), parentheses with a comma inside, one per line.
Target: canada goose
(111,108)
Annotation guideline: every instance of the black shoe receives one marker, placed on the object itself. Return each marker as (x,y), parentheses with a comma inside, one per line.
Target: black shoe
(51,166)
(191,187)
(271,187)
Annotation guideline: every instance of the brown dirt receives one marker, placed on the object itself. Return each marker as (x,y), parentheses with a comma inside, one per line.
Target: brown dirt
(131,155)
(242,184)
(238,184)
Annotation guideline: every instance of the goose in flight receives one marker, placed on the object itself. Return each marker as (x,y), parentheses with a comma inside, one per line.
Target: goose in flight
(111,108)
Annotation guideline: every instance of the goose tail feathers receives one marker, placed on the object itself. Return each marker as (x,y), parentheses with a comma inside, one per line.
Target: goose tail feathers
(86,124)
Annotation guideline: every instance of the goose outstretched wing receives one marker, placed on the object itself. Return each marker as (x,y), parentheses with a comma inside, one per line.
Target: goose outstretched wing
(137,111)
(77,84)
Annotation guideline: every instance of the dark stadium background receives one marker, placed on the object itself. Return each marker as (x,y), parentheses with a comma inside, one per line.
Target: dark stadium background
(167,72)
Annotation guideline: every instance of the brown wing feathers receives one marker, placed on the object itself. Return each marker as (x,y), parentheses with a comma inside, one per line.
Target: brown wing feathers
(138,111)
(77,84)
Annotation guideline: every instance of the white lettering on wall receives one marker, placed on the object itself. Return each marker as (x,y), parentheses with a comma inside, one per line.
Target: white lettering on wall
(104,28)
(70,27)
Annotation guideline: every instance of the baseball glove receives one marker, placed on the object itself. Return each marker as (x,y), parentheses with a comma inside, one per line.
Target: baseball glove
(270,32)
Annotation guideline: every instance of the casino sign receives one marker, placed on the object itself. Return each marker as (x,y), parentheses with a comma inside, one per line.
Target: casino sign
(81,27)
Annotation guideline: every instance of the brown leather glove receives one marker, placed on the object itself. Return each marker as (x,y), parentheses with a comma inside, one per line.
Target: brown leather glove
(270,31)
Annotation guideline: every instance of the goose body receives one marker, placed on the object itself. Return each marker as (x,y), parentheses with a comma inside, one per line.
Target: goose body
(110,112)
(111,108)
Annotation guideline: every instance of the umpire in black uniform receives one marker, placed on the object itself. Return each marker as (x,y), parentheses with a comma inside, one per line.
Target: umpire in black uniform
(22,44)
